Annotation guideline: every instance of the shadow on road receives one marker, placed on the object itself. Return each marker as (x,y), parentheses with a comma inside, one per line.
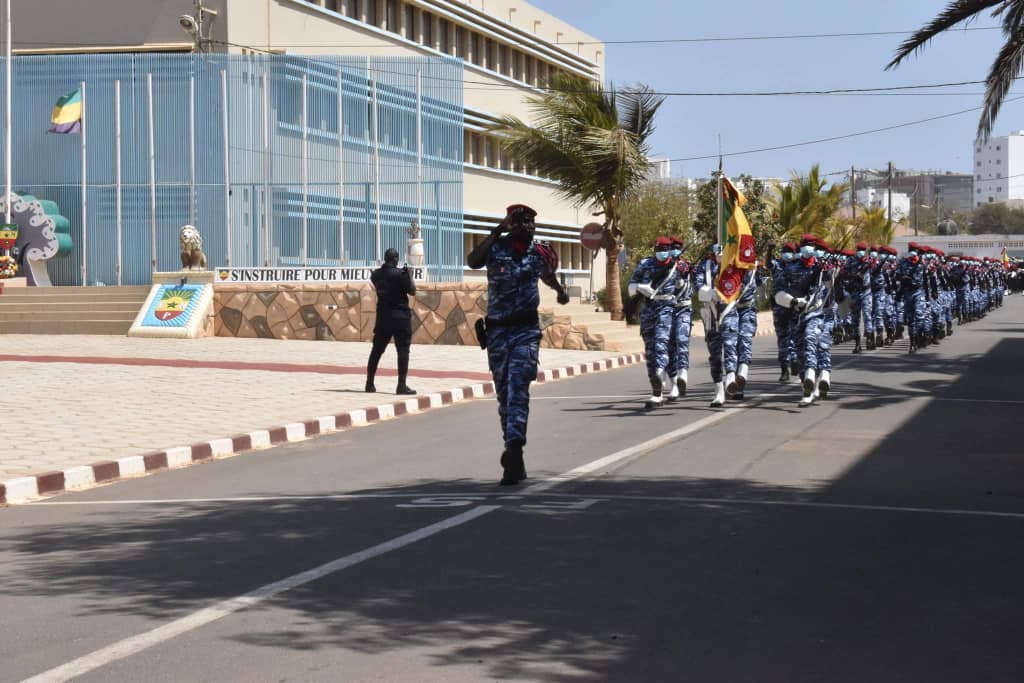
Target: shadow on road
(630,587)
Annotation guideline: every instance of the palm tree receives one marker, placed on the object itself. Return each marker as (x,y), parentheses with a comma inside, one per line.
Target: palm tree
(594,143)
(804,204)
(1008,63)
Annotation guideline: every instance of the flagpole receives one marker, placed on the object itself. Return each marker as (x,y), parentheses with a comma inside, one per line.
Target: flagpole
(7,116)
(85,196)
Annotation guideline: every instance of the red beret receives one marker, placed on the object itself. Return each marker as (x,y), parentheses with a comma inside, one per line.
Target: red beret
(788,246)
(520,209)
(808,238)
(677,240)
(847,252)
(862,246)
(662,241)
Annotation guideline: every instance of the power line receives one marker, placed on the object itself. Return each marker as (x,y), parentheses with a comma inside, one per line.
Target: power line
(839,137)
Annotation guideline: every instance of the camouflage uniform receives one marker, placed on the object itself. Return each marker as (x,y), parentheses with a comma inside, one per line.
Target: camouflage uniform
(682,319)
(656,319)
(513,332)
(911,277)
(856,275)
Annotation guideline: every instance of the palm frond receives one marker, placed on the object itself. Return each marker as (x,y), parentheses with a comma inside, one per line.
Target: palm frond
(956,12)
(639,105)
(1005,69)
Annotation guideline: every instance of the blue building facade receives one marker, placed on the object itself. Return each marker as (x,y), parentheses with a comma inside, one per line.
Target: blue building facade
(314,161)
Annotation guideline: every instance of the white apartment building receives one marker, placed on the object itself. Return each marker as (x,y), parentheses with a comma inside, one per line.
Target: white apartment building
(508,49)
(999,169)
(875,198)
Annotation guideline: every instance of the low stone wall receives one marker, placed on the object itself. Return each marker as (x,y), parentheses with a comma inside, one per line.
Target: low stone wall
(442,313)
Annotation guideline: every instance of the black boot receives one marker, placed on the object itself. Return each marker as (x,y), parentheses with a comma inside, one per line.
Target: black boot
(513,465)
(655,400)
(404,390)
(949,328)
(913,344)
(370,389)
(899,332)
(869,340)
(856,345)
(785,376)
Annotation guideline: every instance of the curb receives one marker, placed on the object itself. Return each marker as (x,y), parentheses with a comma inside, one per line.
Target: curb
(33,487)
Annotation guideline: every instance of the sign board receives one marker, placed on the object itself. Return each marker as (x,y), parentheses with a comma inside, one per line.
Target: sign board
(235,276)
(173,305)
(590,236)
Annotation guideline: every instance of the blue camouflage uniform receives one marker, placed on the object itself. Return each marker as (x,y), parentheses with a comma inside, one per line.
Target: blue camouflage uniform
(856,275)
(803,281)
(682,319)
(782,318)
(721,337)
(656,319)
(747,316)
(878,295)
(830,314)
(513,332)
(911,278)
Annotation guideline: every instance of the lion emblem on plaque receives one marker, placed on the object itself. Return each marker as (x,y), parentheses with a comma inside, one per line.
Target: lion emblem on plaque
(192,256)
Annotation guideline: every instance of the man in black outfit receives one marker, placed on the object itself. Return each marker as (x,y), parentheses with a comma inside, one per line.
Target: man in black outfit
(394,319)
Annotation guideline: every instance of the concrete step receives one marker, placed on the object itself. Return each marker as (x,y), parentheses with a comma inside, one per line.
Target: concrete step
(66,306)
(19,297)
(119,327)
(61,316)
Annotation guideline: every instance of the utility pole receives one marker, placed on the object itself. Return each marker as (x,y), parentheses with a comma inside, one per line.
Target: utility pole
(917,200)
(853,192)
(890,193)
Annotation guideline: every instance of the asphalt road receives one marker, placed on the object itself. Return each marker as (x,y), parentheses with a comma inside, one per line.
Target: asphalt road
(873,537)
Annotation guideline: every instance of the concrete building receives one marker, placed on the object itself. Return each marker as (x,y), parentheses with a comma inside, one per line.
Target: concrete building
(966,245)
(875,198)
(999,169)
(508,49)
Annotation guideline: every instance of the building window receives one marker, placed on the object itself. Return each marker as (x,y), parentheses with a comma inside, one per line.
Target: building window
(460,43)
(979,164)
(331,5)
(442,29)
(998,189)
(998,162)
(979,191)
(371,11)
(997,149)
(493,54)
(517,71)
(394,12)
(479,45)
(531,70)
(410,23)
(428,30)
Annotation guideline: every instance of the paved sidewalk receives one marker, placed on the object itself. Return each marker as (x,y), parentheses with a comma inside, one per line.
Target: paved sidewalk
(74,401)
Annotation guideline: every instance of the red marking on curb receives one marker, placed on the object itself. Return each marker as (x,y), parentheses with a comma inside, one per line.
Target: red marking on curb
(342,420)
(155,461)
(242,442)
(423,402)
(278,435)
(317,368)
(372,414)
(488,388)
(106,471)
(201,451)
(50,482)
(570,371)
(3,494)
(400,409)
(312,427)
(446,398)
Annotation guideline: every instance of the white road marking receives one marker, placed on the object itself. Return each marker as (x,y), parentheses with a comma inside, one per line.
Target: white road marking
(631,453)
(134,644)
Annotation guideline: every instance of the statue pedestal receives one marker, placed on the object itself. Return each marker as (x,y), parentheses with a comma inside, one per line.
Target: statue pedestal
(179,306)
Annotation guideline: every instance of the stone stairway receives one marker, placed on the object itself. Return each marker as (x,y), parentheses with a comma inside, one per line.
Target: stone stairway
(70,310)
(617,335)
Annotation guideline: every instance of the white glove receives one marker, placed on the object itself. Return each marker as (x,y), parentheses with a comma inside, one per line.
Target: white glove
(705,294)
(646,290)
(800,303)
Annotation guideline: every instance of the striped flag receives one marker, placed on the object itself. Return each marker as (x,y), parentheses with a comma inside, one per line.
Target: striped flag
(67,114)
(738,252)
(1006,259)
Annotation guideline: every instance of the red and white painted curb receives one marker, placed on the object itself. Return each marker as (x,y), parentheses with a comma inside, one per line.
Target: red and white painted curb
(29,488)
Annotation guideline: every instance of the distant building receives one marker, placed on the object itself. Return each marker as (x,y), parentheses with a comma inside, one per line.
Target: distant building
(661,169)
(875,198)
(966,245)
(999,169)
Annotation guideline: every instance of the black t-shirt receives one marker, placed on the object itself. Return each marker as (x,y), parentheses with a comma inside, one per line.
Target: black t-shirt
(393,289)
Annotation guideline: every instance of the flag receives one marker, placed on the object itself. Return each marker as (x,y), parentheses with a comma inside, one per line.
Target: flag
(1006,260)
(738,252)
(67,114)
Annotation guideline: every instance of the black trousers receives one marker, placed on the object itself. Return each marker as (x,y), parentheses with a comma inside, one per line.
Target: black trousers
(390,327)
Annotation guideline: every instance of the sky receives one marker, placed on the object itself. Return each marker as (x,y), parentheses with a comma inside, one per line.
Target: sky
(689,126)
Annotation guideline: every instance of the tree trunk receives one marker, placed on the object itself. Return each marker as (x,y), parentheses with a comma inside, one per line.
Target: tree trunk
(613,290)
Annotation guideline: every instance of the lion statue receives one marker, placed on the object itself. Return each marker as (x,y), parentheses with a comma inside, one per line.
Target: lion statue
(192,256)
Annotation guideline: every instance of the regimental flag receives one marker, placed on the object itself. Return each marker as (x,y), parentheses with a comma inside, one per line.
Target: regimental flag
(1006,259)
(738,252)
(67,114)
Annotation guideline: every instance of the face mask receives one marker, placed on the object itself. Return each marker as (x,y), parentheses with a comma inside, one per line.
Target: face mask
(677,253)
(787,256)
(819,253)
(661,255)
(912,254)
(860,254)
(807,251)
(874,254)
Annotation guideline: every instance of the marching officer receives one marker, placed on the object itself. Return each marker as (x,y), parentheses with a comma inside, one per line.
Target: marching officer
(655,280)
(512,329)
(682,323)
